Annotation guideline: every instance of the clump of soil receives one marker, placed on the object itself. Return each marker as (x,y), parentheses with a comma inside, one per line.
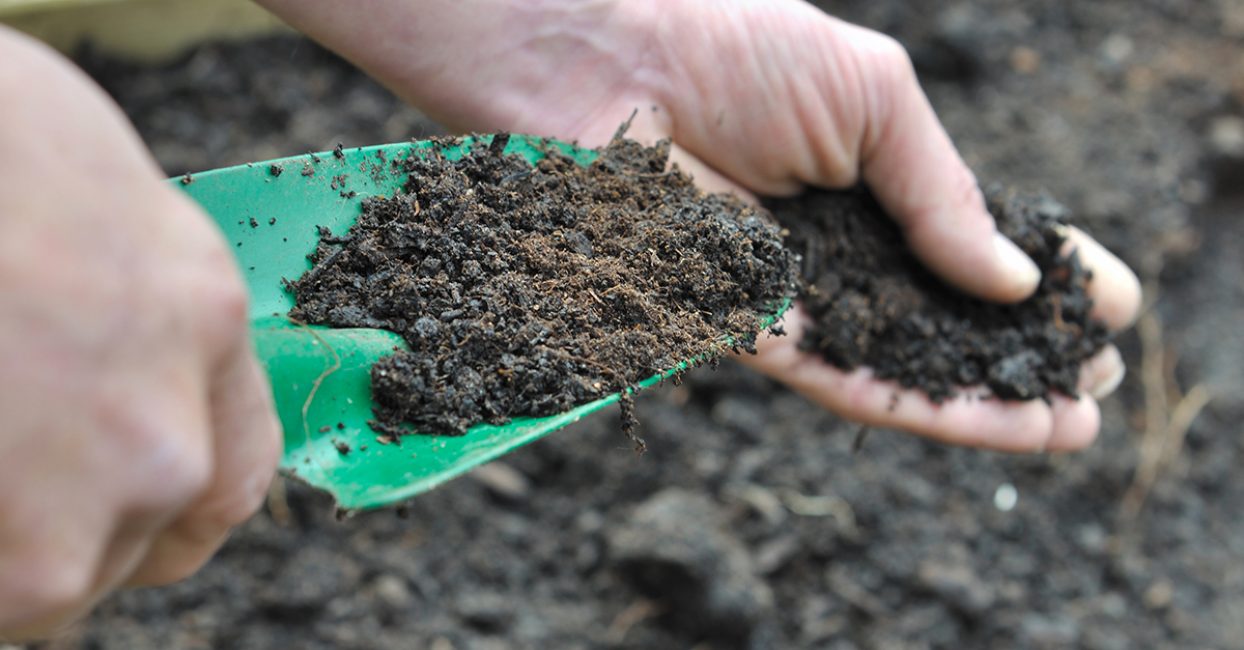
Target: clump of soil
(524,291)
(874,305)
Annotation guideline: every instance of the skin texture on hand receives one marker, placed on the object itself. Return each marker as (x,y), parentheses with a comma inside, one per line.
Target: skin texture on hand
(137,424)
(759,97)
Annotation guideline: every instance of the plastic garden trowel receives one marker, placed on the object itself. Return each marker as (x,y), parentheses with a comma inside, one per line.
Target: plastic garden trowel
(270,212)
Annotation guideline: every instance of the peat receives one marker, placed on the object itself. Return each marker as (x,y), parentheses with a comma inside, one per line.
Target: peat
(874,305)
(524,291)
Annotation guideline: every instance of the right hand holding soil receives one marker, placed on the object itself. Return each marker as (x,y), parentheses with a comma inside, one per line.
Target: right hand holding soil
(138,426)
(758,97)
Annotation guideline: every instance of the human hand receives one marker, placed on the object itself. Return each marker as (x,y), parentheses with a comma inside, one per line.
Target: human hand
(137,424)
(759,97)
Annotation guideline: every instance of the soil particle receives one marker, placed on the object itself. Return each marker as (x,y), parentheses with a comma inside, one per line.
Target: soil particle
(528,290)
(393,592)
(485,611)
(873,304)
(955,581)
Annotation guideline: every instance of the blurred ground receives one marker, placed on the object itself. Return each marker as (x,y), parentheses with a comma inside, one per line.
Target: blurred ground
(750,522)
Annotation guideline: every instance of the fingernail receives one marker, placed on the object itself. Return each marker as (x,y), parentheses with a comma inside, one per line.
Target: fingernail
(1018,266)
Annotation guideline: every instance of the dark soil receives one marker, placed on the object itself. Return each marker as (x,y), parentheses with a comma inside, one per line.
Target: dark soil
(761,522)
(873,304)
(526,291)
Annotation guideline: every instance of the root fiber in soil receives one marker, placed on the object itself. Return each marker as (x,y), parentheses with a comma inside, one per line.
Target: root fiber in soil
(526,290)
(874,305)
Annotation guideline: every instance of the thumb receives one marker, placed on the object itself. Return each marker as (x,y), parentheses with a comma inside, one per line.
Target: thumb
(915,172)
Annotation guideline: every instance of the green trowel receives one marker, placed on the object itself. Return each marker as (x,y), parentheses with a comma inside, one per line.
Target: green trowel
(270,212)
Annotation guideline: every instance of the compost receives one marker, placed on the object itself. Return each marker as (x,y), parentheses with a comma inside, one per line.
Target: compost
(526,290)
(874,305)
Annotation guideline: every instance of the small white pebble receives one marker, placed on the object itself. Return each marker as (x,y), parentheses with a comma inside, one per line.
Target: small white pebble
(1005,497)
(1226,135)
(1117,48)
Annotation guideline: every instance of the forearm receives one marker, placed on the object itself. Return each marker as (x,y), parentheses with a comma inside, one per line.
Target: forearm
(476,64)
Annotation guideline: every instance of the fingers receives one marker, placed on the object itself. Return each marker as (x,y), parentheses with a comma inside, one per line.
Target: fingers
(1115,288)
(1076,423)
(247,445)
(1102,374)
(79,530)
(1117,297)
(917,175)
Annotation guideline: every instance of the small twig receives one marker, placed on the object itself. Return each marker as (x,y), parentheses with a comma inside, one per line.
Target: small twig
(1057,300)
(625,126)
(310,276)
(1152,362)
(1166,429)
(315,386)
(1171,446)
(649,174)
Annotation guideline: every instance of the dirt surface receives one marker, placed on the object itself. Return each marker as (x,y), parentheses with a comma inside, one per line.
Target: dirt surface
(766,525)
(873,304)
(526,291)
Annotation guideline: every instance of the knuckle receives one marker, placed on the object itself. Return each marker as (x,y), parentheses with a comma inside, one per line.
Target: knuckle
(170,455)
(194,472)
(886,81)
(187,475)
(965,189)
(209,284)
(230,302)
(56,585)
(889,55)
(177,472)
(221,305)
(236,503)
(238,506)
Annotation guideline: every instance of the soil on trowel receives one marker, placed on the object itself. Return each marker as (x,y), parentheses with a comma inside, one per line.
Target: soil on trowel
(526,290)
(873,305)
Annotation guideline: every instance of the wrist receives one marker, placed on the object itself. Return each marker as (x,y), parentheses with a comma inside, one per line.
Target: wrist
(489,64)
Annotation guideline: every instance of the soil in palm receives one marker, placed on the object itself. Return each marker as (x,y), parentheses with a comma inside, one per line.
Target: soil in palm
(874,305)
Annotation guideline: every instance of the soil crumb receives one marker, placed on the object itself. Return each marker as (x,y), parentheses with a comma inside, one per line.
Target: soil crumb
(873,304)
(526,290)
